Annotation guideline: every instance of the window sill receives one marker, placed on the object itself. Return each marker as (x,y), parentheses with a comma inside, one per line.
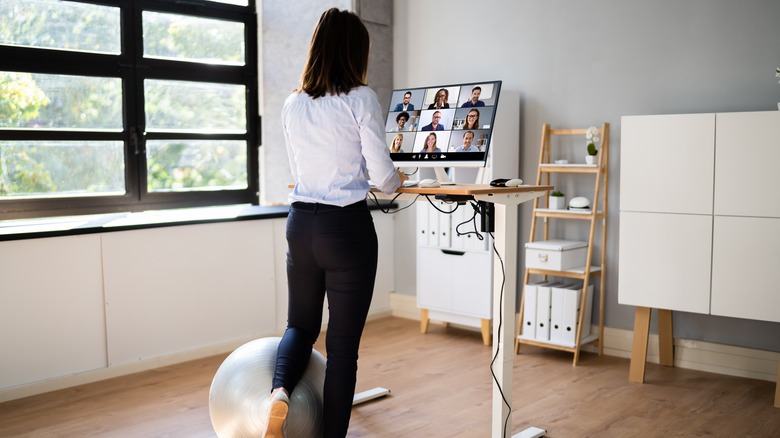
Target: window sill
(21,229)
(102,223)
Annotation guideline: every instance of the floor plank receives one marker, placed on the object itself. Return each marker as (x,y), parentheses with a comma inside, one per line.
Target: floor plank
(440,387)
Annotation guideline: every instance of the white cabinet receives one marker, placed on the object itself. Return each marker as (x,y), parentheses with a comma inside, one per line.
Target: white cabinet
(454,273)
(705,209)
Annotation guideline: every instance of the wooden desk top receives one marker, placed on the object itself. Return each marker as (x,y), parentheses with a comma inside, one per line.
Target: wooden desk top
(469,189)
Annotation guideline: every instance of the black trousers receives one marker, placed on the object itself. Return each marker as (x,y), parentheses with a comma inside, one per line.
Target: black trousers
(332,251)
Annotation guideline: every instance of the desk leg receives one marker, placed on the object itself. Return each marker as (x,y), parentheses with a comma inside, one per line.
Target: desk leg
(636,371)
(504,315)
(665,337)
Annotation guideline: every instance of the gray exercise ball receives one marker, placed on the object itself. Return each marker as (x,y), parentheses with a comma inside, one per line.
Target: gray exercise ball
(242,385)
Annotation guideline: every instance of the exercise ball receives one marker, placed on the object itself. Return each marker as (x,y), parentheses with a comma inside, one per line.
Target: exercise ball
(240,392)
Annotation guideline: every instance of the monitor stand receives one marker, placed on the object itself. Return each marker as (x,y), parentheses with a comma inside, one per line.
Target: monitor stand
(442,176)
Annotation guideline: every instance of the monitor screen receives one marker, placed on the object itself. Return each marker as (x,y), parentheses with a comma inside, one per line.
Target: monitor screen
(442,125)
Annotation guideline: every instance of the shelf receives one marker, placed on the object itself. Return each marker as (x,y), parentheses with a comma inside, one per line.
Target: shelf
(556,346)
(569,168)
(578,273)
(567,214)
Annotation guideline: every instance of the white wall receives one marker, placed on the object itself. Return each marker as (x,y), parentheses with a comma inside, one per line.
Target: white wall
(581,63)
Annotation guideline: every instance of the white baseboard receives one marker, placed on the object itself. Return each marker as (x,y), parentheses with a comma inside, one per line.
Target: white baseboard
(690,354)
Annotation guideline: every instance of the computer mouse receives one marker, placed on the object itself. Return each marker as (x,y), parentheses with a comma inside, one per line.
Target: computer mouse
(428,183)
(499,182)
(513,182)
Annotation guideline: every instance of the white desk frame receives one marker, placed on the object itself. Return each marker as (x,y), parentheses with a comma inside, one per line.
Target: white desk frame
(506,201)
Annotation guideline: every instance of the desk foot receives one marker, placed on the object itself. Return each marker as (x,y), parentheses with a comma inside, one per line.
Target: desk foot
(371,394)
(531,432)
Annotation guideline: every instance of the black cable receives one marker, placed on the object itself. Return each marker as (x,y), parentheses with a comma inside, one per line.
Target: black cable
(388,211)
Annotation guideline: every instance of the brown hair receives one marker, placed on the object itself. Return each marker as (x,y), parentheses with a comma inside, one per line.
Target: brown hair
(338,55)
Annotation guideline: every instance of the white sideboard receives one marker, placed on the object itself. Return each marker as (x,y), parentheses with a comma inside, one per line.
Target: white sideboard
(693,207)
(699,223)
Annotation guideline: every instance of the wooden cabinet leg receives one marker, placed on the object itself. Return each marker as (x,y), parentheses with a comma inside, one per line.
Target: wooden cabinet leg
(665,337)
(777,387)
(424,321)
(486,338)
(636,371)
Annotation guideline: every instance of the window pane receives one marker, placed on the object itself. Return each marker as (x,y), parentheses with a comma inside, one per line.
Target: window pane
(56,24)
(186,165)
(43,101)
(195,107)
(61,168)
(193,39)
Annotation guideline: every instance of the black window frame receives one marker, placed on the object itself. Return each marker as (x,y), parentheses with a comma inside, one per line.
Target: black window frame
(133,69)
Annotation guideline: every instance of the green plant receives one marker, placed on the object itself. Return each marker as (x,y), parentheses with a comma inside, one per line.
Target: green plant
(556,193)
(592,135)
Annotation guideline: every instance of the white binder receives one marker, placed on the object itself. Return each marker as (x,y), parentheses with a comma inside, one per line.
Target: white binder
(445,236)
(556,313)
(543,297)
(529,311)
(571,305)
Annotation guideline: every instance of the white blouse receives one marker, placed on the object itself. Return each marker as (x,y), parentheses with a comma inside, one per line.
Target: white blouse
(332,141)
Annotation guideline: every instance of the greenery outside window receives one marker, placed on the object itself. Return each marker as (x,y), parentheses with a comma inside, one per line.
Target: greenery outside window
(126,105)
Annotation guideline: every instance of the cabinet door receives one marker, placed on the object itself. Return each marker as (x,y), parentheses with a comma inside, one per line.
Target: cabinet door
(434,284)
(747,154)
(665,261)
(471,284)
(746,254)
(667,163)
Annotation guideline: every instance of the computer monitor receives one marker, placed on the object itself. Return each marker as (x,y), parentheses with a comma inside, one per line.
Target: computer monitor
(442,126)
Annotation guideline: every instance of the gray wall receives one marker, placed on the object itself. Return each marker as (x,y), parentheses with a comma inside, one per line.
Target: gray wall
(581,63)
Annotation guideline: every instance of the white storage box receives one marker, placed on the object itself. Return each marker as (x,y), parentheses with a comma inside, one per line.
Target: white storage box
(555,255)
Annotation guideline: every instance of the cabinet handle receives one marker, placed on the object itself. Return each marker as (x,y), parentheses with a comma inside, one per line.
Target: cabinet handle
(451,252)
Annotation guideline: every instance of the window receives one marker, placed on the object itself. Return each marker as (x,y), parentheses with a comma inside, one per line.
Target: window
(127,105)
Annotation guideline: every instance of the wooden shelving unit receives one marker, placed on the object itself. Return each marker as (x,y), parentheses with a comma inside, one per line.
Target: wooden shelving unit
(597,218)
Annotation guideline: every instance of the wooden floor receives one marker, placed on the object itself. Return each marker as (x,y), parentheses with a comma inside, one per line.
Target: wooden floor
(440,385)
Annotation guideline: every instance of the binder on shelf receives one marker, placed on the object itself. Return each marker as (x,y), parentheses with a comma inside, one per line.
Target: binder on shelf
(529,312)
(445,237)
(433,226)
(571,306)
(556,313)
(543,297)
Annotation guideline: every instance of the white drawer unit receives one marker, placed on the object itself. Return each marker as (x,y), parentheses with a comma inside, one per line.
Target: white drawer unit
(555,255)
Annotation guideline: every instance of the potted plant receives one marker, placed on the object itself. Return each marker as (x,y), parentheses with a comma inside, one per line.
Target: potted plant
(591,134)
(557,201)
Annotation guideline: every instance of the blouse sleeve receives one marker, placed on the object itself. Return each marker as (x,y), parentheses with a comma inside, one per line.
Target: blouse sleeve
(381,169)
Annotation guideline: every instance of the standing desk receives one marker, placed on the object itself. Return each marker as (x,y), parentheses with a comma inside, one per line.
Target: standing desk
(506,200)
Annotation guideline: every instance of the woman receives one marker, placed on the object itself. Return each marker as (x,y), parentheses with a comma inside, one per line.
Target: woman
(440,101)
(472,120)
(430,144)
(334,133)
(395,147)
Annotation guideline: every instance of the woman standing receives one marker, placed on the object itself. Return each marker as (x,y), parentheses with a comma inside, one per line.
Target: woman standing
(334,132)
